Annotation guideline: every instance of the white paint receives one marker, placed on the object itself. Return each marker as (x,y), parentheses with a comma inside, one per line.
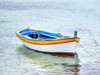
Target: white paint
(65,47)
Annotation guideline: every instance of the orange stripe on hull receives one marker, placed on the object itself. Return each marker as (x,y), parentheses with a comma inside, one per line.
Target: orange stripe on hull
(49,42)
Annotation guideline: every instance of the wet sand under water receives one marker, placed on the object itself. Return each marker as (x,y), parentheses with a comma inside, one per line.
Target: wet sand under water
(56,64)
(54,16)
(49,62)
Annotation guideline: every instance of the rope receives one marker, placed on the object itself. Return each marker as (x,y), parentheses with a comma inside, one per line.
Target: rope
(91,53)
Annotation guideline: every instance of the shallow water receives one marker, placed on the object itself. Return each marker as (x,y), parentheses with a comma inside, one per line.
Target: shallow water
(54,16)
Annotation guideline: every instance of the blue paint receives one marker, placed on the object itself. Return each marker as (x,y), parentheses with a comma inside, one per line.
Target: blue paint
(75,33)
(42,35)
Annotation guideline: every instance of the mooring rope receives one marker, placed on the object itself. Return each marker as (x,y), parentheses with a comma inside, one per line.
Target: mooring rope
(90,52)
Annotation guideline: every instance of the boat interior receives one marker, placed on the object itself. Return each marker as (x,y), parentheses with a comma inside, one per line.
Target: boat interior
(41,35)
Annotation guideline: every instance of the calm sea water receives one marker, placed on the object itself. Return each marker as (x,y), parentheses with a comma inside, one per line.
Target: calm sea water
(61,16)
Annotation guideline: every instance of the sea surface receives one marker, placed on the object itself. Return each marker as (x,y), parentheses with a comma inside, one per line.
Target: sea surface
(58,16)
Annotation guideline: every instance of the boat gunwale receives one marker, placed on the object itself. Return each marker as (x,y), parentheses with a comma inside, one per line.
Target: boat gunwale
(18,33)
(47,42)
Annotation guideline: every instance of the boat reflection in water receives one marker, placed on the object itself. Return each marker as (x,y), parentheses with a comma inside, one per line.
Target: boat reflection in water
(32,61)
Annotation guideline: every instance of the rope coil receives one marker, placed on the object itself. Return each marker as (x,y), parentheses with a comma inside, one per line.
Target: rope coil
(91,53)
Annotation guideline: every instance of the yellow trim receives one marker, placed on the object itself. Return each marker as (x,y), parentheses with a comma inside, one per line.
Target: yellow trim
(19,31)
(62,37)
(49,42)
(37,30)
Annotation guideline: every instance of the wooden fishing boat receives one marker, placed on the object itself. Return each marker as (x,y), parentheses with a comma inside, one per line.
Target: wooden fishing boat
(48,42)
